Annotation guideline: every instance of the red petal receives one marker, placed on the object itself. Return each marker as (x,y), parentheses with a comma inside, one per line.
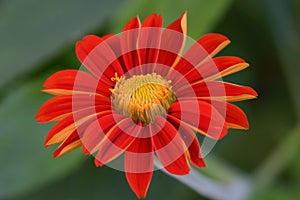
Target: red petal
(199,53)
(200,116)
(65,79)
(221,91)
(117,140)
(149,40)
(206,47)
(98,131)
(224,66)
(153,20)
(179,25)
(183,67)
(98,57)
(69,144)
(114,41)
(139,165)
(172,43)
(66,126)
(169,147)
(55,109)
(129,40)
(191,142)
(74,81)
(213,43)
(139,183)
(89,43)
(139,155)
(234,116)
(209,70)
(60,107)
(132,24)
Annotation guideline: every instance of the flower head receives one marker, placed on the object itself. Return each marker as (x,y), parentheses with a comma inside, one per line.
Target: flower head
(143,94)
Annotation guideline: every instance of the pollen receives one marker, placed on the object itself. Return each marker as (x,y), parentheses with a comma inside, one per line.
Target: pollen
(143,97)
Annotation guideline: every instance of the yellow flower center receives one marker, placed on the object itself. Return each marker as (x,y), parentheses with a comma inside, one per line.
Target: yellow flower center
(142,97)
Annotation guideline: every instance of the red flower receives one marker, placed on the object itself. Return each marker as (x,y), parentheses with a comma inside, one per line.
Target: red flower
(143,95)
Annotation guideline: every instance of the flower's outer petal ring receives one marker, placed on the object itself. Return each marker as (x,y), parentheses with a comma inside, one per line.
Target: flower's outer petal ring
(211,122)
(138,165)
(169,147)
(214,90)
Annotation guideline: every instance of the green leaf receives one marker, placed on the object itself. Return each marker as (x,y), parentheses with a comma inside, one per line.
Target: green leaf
(25,163)
(203,15)
(33,30)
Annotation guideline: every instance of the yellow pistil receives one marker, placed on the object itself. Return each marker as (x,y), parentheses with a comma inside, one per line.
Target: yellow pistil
(142,97)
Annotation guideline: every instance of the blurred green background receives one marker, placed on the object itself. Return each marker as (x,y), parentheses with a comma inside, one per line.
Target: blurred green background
(37,38)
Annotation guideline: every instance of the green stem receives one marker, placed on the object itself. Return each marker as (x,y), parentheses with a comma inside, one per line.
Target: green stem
(237,188)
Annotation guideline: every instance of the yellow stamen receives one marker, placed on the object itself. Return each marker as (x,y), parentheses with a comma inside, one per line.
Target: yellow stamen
(116,78)
(143,97)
